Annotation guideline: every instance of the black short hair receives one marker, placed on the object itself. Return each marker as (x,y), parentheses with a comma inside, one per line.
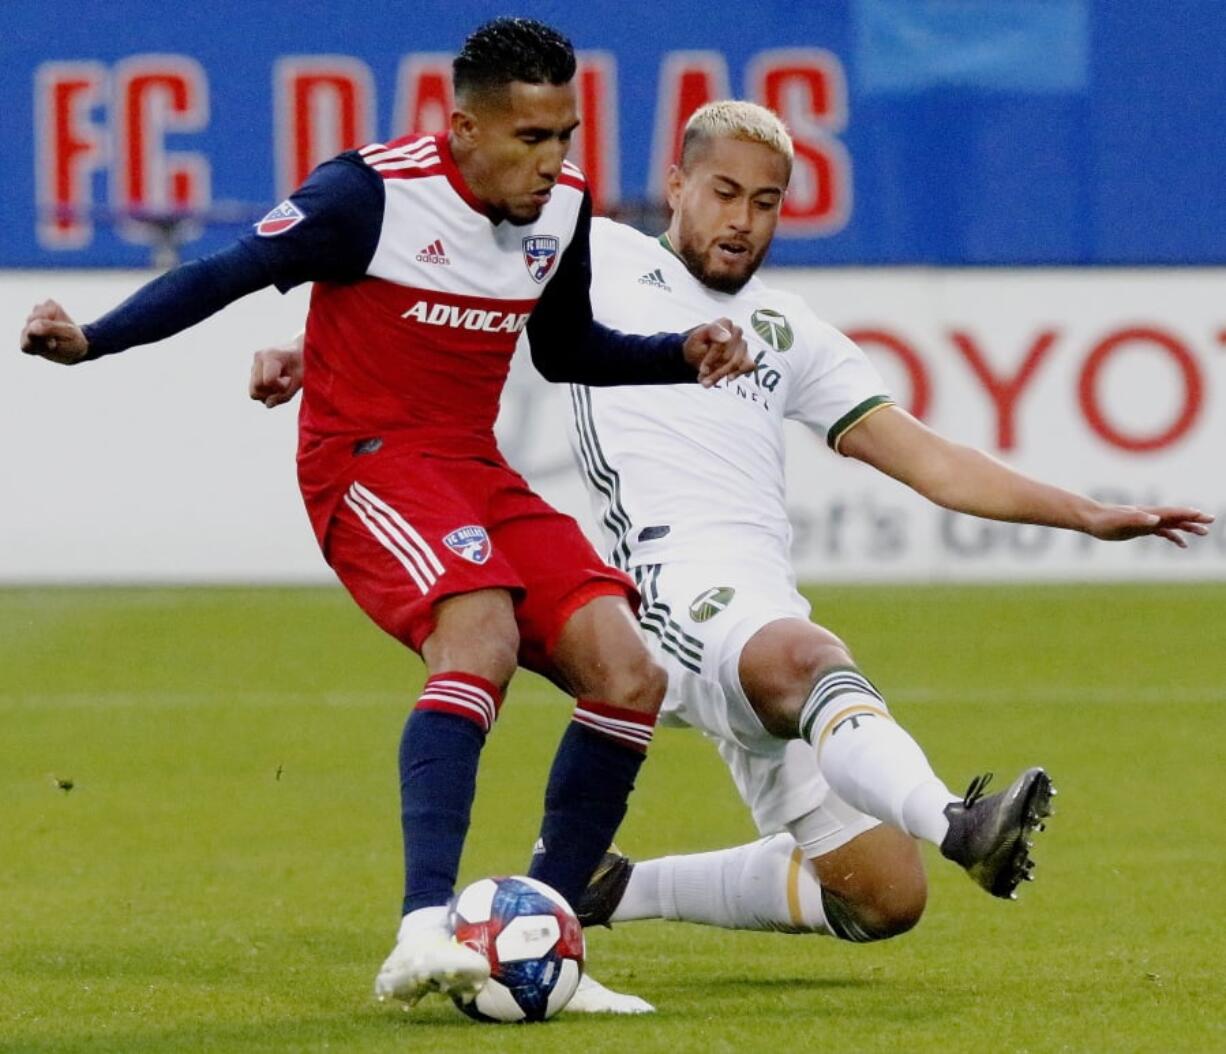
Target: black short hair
(512,49)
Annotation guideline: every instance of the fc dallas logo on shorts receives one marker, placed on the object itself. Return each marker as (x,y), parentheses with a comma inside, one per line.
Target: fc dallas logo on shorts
(470,542)
(540,254)
(281,219)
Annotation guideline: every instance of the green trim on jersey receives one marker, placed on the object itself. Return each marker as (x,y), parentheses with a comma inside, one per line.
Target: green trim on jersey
(602,476)
(853,417)
(663,240)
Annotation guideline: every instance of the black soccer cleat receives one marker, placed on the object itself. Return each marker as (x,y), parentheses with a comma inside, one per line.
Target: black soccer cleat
(988,836)
(604,892)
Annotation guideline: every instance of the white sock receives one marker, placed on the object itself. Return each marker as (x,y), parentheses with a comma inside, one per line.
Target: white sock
(421,921)
(766,885)
(871,762)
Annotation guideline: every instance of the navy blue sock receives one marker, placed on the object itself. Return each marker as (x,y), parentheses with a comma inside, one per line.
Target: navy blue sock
(592,776)
(439,753)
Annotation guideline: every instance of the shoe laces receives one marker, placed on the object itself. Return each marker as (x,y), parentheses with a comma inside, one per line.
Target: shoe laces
(975,791)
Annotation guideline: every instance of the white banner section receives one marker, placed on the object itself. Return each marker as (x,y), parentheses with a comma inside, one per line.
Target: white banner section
(154,466)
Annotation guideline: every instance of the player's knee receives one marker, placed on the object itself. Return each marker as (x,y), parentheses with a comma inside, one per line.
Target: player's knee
(500,656)
(876,909)
(806,656)
(897,906)
(779,668)
(476,633)
(784,660)
(637,684)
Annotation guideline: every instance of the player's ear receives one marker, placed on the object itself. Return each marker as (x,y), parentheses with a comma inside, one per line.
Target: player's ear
(464,126)
(672,186)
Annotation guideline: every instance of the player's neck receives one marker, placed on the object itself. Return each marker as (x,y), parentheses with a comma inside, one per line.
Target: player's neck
(469,173)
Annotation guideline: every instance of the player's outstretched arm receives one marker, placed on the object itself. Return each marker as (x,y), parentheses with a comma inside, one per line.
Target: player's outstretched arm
(713,351)
(169,304)
(338,216)
(276,373)
(968,480)
(569,346)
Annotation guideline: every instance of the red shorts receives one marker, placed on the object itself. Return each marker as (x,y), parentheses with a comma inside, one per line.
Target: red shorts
(411,528)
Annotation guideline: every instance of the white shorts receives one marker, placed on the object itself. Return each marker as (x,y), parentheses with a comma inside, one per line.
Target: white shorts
(699,615)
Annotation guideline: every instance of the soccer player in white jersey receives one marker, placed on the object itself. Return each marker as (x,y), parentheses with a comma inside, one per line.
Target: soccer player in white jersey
(689,487)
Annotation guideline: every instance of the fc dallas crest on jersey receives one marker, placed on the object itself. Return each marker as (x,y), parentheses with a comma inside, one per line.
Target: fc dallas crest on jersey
(281,219)
(472,543)
(540,254)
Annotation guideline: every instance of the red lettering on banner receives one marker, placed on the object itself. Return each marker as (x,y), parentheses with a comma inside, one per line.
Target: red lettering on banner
(917,373)
(424,98)
(595,147)
(807,88)
(156,95)
(1004,391)
(69,150)
(325,105)
(688,80)
(1169,346)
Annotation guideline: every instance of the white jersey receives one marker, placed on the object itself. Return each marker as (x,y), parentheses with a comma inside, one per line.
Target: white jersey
(683,472)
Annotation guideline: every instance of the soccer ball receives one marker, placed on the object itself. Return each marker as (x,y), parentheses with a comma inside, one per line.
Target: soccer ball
(532,940)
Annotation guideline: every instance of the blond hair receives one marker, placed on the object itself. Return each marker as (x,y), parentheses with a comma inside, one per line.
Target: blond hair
(735,119)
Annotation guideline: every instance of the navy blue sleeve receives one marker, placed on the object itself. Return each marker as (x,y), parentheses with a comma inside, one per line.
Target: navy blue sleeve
(327,231)
(568,345)
(334,220)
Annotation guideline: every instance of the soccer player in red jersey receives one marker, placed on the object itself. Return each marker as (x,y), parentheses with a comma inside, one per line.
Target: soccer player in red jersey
(430,254)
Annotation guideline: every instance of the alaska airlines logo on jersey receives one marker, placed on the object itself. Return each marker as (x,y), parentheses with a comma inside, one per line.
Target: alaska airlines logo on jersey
(711,602)
(764,375)
(281,219)
(474,318)
(471,543)
(540,254)
(773,328)
(755,387)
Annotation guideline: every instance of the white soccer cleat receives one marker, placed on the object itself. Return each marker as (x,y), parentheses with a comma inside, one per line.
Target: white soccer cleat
(427,959)
(591,997)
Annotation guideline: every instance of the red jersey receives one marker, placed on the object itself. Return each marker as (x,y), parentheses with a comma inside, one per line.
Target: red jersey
(422,343)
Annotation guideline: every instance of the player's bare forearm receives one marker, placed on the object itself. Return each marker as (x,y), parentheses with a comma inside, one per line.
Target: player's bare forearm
(967,480)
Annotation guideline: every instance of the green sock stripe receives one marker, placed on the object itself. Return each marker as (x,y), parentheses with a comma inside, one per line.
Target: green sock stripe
(843,923)
(843,680)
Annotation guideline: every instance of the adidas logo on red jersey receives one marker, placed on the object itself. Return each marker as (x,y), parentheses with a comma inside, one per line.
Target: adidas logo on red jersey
(434,253)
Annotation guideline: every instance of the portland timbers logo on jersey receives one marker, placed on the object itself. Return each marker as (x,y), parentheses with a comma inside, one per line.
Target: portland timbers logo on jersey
(772,327)
(710,602)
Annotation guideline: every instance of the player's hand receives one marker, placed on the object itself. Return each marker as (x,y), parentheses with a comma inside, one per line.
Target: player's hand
(717,350)
(276,375)
(49,332)
(1117,523)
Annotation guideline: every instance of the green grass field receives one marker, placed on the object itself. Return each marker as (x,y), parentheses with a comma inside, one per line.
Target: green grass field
(224,872)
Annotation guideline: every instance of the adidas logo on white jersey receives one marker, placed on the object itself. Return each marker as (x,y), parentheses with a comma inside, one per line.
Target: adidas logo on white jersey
(434,253)
(655,279)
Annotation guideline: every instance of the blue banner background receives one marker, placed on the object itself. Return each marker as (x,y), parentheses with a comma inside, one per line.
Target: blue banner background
(985,132)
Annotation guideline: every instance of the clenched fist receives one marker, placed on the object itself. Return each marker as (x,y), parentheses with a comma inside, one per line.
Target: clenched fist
(49,332)
(717,350)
